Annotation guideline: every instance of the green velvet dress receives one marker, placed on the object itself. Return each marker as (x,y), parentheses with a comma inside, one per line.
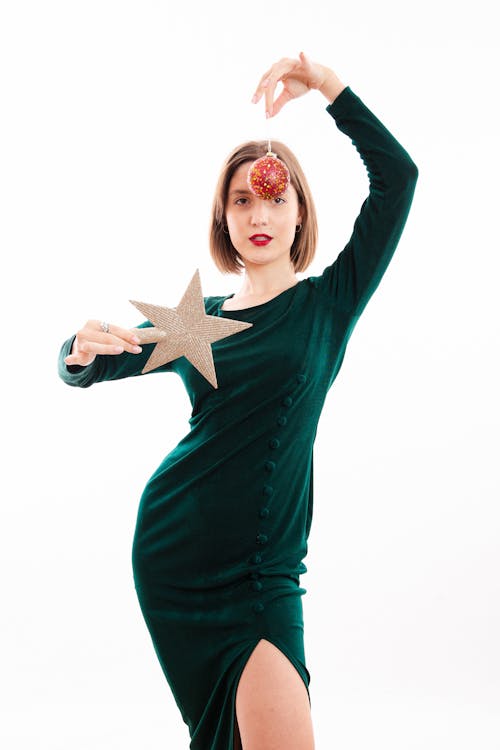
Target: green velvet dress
(223,523)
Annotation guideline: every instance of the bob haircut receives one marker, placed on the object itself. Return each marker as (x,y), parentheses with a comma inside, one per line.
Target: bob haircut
(225,255)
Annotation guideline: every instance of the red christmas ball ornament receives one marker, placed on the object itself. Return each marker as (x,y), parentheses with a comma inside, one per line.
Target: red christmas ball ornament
(268,177)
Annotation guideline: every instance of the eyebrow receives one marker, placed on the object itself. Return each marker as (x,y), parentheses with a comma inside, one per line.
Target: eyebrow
(240,192)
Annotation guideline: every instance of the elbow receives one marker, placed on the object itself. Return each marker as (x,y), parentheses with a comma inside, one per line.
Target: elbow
(408,171)
(406,180)
(412,172)
(411,180)
(404,171)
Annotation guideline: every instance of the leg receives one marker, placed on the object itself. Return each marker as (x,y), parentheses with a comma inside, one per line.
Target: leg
(272,705)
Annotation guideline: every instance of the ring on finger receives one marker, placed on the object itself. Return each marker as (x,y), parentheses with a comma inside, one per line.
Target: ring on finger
(104,326)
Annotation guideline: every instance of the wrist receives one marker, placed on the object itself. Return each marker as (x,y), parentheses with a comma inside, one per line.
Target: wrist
(331,85)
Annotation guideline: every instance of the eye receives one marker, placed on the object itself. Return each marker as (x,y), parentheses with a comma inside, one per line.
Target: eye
(279,199)
(237,202)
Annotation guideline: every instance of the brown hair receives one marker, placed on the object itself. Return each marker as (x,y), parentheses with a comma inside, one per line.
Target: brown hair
(222,250)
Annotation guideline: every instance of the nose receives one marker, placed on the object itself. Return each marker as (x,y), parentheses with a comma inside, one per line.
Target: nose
(260,213)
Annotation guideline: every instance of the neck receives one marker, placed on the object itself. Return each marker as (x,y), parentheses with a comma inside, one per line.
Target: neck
(261,280)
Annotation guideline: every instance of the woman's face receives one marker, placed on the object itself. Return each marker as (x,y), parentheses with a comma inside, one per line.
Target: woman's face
(250,219)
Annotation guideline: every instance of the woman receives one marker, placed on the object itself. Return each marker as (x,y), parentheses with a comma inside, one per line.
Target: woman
(223,523)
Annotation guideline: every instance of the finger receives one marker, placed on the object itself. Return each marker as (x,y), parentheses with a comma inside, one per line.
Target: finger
(150,335)
(121,344)
(73,359)
(270,79)
(124,334)
(91,336)
(269,96)
(96,347)
(280,69)
(310,70)
(120,337)
(80,359)
(280,102)
(305,60)
(260,87)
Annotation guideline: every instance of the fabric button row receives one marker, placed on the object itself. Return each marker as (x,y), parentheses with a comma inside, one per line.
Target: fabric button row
(268,490)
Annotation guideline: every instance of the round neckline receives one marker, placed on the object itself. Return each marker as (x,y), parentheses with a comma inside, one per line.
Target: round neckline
(253,308)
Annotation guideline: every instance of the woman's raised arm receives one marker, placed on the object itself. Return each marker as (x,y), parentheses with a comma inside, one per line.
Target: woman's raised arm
(352,278)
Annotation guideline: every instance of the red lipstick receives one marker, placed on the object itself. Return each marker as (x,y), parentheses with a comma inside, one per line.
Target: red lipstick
(260,239)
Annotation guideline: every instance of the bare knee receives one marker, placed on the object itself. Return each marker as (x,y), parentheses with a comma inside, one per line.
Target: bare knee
(272,704)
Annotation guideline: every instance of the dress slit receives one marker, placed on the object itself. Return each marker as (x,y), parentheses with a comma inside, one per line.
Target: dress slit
(302,672)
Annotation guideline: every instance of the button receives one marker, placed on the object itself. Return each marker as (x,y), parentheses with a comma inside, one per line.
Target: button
(269,466)
(264,512)
(274,443)
(301,378)
(261,538)
(287,401)
(256,559)
(281,421)
(256,585)
(258,607)
(267,490)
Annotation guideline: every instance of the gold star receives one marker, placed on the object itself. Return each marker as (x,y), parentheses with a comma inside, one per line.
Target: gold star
(185,330)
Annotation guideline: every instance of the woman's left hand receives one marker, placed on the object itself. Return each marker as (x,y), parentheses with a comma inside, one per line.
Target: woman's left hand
(297,76)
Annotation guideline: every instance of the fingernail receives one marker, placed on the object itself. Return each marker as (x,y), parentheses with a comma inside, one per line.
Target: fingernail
(268,114)
(137,349)
(254,98)
(118,349)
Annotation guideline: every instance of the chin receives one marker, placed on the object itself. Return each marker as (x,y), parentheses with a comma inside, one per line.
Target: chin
(260,260)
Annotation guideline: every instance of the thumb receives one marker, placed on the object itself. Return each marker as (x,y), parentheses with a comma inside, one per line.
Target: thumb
(280,102)
(304,59)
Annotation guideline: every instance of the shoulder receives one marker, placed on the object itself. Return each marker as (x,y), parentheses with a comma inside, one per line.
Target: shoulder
(212,303)
(313,281)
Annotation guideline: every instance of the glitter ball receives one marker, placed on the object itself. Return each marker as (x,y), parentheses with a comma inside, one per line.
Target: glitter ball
(268,177)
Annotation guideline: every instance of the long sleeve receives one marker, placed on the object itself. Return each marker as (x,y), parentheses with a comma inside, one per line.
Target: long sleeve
(350,281)
(106,367)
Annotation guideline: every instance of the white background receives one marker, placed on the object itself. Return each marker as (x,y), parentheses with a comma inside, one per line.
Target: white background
(116,117)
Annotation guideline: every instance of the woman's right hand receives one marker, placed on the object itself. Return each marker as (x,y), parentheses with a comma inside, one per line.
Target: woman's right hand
(297,77)
(91,340)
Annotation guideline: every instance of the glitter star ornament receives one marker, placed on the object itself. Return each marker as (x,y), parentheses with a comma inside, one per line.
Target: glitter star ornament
(268,177)
(185,330)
